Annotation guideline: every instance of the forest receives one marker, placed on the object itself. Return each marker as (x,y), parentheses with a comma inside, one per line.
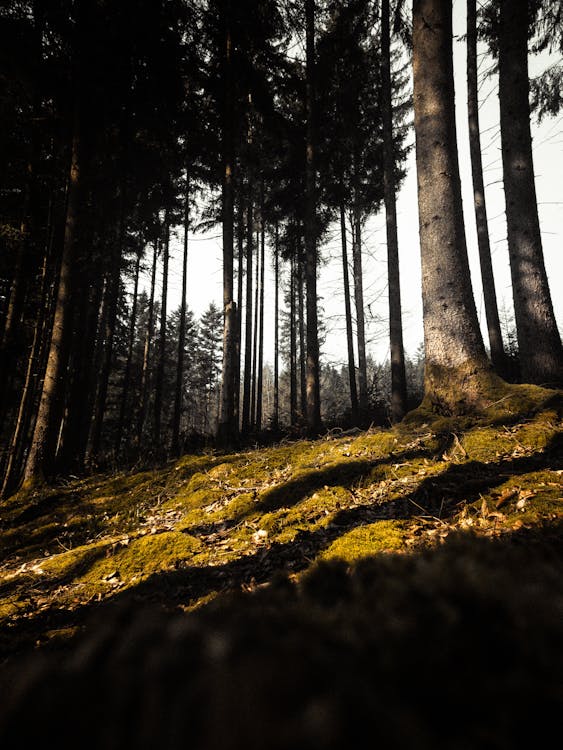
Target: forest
(204,544)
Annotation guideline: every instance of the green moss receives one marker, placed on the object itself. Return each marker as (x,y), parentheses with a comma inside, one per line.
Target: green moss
(311,514)
(365,541)
(142,557)
(488,443)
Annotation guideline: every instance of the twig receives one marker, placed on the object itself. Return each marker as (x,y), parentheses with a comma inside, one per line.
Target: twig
(426,511)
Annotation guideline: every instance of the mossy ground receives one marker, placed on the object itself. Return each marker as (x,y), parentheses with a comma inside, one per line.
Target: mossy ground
(194,528)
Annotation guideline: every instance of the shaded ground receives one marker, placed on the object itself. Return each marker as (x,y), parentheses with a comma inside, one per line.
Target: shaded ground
(205,525)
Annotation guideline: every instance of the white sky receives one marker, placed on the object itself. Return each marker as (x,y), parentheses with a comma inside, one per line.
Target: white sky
(204,264)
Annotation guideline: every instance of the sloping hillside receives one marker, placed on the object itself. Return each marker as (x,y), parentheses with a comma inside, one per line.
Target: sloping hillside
(181,534)
(402,584)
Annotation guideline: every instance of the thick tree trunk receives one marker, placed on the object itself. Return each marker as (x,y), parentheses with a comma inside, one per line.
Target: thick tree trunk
(313,367)
(248,327)
(398,375)
(360,317)
(43,444)
(128,362)
(276,416)
(146,352)
(539,343)
(159,384)
(457,371)
(181,334)
(348,313)
(487,277)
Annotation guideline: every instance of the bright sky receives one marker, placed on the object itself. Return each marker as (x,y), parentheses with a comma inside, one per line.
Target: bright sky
(204,264)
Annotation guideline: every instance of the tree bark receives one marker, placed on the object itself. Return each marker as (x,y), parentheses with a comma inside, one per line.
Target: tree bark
(146,352)
(112,298)
(487,277)
(539,343)
(240,275)
(260,383)
(313,367)
(398,375)
(227,429)
(86,305)
(181,333)
(348,313)
(276,416)
(159,384)
(28,225)
(128,362)
(301,338)
(43,444)
(457,371)
(21,427)
(248,327)
(255,337)
(360,317)
(293,417)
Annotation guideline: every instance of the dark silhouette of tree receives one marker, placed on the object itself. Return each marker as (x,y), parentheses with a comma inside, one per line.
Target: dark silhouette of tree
(487,277)
(541,352)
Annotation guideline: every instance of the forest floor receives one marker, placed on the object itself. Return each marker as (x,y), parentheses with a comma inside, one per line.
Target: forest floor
(402,584)
(182,534)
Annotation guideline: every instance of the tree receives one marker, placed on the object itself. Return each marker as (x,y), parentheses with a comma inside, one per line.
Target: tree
(398,376)
(457,372)
(313,371)
(539,343)
(488,280)
(42,449)
(227,430)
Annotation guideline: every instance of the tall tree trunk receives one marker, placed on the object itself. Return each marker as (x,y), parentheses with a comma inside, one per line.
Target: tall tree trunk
(360,317)
(240,276)
(110,320)
(86,305)
(301,338)
(348,313)
(181,334)
(159,384)
(21,427)
(28,225)
(127,374)
(255,336)
(276,417)
(246,396)
(146,352)
(293,416)
(539,343)
(398,375)
(42,450)
(259,387)
(457,371)
(313,367)
(487,277)
(227,429)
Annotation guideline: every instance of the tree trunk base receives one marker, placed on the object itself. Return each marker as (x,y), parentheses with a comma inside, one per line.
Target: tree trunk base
(476,393)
